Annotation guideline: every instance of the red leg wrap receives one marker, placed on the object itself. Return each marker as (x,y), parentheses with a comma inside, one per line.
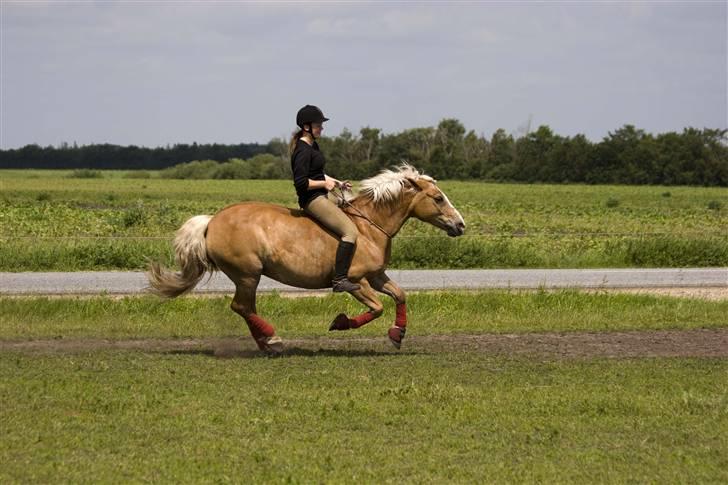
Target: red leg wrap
(259,327)
(401,319)
(360,320)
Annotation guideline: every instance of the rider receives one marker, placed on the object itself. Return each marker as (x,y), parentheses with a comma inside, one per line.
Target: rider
(312,187)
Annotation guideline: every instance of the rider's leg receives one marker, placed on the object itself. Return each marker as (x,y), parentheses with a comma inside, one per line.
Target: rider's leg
(334,218)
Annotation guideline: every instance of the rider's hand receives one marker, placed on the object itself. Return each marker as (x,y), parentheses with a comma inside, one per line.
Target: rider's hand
(330,184)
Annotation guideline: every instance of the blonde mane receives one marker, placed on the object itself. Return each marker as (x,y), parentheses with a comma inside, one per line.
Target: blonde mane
(386,186)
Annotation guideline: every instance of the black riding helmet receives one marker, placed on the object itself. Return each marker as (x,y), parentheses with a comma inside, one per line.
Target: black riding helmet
(309,114)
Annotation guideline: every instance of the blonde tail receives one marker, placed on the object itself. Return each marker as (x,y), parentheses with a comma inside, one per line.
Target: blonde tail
(190,255)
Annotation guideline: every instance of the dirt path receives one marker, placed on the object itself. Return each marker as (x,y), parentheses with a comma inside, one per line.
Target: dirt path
(664,343)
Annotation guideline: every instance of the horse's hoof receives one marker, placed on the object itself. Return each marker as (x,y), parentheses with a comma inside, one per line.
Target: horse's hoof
(396,334)
(341,322)
(271,345)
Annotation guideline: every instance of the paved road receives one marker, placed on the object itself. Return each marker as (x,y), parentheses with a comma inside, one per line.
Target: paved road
(121,282)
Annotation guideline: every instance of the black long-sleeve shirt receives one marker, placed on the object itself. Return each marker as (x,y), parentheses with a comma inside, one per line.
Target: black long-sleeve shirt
(307,162)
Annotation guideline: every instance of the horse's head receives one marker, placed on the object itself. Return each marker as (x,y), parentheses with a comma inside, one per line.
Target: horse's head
(407,192)
(430,204)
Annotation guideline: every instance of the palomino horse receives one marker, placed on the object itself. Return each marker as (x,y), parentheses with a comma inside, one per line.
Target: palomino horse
(250,239)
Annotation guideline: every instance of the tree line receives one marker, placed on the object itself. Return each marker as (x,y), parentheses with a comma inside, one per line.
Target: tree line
(627,155)
(107,156)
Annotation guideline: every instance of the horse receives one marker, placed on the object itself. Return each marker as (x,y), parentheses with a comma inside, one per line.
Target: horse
(248,239)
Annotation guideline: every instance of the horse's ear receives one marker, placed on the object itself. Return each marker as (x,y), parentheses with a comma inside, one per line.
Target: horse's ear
(413,182)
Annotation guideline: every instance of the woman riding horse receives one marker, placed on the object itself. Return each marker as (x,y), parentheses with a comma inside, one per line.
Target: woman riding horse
(312,187)
(248,239)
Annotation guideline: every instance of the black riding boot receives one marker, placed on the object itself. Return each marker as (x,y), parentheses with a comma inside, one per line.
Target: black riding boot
(344,255)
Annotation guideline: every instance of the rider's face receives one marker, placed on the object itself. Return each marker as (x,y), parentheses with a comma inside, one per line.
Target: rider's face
(316,129)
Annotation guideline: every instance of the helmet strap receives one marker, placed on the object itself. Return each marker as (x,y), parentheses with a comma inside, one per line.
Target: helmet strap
(310,132)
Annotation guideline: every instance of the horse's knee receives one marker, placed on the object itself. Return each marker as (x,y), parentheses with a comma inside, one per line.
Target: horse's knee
(395,291)
(258,326)
(377,309)
(234,306)
(242,309)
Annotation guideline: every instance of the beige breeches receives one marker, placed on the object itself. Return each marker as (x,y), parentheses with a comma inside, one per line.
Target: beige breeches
(331,216)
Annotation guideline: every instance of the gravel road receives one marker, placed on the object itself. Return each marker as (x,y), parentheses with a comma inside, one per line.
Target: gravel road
(133,282)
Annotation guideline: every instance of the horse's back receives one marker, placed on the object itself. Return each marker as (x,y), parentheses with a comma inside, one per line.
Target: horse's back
(251,210)
(266,221)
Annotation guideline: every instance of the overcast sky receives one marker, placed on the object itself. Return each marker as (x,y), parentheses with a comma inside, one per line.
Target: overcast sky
(152,73)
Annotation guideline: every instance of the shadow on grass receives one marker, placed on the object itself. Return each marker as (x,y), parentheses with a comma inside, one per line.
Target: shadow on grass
(237,353)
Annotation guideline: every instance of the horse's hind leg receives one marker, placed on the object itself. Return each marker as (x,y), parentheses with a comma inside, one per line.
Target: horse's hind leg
(244,305)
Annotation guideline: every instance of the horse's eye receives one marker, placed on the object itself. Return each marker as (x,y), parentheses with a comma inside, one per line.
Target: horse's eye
(439,199)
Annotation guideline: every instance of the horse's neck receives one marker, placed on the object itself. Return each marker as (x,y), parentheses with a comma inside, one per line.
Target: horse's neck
(391,218)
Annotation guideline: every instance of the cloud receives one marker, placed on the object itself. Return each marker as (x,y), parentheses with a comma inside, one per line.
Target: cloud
(164,71)
(384,24)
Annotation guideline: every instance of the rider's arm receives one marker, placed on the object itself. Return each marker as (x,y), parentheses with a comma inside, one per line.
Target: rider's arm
(343,185)
(326,177)
(301,165)
(316,184)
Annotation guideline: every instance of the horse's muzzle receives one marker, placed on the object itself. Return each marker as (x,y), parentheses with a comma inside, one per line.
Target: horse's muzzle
(457,229)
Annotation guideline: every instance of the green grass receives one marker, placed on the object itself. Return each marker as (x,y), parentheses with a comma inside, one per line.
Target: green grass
(103,222)
(357,415)
(446,417)
(429,313)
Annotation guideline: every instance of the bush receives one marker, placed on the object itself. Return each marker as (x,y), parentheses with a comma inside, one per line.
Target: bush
(83,254)
(676,252)
(86,173)
(263,166)
(715,205)
(137,174)
(134,216)
(191,170)
(445,252)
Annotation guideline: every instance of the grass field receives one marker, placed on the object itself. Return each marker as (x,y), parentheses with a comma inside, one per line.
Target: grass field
(131,416)
(49,221)
(490,386)
(430,313)
(367,412)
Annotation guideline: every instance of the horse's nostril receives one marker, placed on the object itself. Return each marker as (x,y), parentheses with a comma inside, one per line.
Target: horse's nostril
(461,225)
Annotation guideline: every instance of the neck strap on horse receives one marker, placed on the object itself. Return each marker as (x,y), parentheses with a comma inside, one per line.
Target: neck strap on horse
(340,195)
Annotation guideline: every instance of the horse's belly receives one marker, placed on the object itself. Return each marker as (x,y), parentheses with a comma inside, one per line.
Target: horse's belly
(298,279)
(304,263)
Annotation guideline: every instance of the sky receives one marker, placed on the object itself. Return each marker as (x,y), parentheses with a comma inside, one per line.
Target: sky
(152,73)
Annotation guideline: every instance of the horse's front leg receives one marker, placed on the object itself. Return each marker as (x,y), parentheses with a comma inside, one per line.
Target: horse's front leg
(383,284)
(367,296)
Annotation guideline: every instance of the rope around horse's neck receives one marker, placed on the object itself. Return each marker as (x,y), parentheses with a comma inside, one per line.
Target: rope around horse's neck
(341,196)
